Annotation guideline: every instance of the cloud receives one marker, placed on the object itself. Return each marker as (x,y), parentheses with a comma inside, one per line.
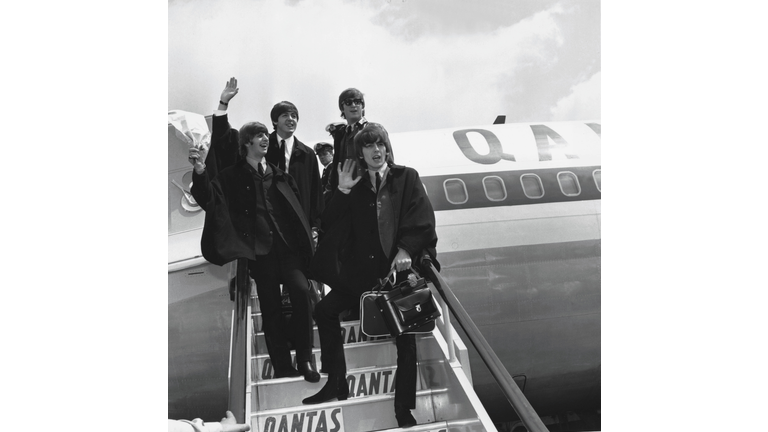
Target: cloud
(308,52)
(583,103)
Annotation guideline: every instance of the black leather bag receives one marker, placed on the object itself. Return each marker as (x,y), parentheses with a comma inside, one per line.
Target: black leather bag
(406,308)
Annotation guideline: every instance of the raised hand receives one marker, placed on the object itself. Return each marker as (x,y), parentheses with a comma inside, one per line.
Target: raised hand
(230,90)
(197,157)
(345,174)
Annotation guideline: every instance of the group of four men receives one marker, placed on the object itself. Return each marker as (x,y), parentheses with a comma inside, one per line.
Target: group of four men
(263,196)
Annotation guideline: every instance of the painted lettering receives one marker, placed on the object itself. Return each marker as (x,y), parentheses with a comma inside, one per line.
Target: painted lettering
(337,425)
(269,424)
(330,420)
(543,136)
(297,425)
(361,388)
(352,337)
(386,377)
(283,424)
(321,423)
(595,128)
(310,419)
(375,380)
(495,152)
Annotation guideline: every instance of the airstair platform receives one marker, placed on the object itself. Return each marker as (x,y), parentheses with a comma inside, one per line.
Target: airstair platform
(445,400)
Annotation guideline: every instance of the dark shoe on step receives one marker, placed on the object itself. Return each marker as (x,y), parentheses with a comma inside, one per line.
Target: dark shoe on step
(333,389)
(310,374)
(404,417)
(288,372)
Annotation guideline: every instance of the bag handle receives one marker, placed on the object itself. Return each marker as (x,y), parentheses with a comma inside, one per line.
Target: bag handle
(385,279)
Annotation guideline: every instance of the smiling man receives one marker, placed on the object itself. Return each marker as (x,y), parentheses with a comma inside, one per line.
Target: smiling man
(279,258)
(295,158)
(252,212)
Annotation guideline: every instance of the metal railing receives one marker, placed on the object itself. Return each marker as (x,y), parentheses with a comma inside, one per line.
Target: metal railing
(239,361)
(508,386)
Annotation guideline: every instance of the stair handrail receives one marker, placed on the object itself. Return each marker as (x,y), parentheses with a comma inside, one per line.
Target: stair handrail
(508,386)
(238,369)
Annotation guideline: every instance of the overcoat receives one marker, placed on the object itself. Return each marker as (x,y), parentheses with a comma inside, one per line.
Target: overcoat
(224,149)
(224,152)
(229,201)
(303,167)
(346,256)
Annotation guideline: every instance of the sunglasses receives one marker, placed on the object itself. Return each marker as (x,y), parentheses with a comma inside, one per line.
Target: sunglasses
(350,102)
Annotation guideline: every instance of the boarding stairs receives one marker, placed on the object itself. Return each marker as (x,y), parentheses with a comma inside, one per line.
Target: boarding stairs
(445,400)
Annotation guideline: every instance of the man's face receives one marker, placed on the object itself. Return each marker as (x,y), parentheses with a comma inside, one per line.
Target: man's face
(258,146)
(326,157)
(375,155)
(286,124)
(353,110)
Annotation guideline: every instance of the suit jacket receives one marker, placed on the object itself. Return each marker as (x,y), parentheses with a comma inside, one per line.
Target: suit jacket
(229,202)
(341,139)
(303,167)
(352,249)
(324,177)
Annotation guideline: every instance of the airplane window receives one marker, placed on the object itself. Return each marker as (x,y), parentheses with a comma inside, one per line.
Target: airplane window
(596,176)
(455,191)
(569,183)
(532,186)
(494,188)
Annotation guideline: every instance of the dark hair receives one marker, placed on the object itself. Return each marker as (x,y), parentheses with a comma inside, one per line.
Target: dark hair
(371,133)
(280,108)
(247,132)
(352,93)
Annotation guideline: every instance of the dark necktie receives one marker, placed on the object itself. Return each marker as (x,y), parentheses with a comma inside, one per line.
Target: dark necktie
(281,165)
(261,170)
(378,182)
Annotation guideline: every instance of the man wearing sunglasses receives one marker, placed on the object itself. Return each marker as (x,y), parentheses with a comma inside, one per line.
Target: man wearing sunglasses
(352,107)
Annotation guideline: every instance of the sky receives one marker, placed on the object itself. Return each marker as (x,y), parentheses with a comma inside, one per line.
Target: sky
(421,64)
(87,85)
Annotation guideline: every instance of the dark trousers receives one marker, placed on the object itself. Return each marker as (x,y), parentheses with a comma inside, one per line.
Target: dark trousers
(281,265)
(332,347)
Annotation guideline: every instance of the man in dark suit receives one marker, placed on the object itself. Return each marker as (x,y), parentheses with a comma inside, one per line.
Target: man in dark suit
(324,152)
(253,212)
(352,107)
(285,151)
(292,156)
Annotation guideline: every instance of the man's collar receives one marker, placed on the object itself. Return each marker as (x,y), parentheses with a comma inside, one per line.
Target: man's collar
(288,141)
(252,162)
(358,124)
(382,172)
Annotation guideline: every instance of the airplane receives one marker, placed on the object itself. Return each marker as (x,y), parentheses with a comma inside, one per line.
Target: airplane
(518,216)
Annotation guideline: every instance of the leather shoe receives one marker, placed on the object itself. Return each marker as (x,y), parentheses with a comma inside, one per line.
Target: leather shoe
(404,417)
(335,388)
(288,372)
(310,375)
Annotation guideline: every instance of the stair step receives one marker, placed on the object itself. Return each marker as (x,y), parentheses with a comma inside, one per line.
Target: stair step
(363,382)
(350,331)
(370,413)
(464,425)
(358,355)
